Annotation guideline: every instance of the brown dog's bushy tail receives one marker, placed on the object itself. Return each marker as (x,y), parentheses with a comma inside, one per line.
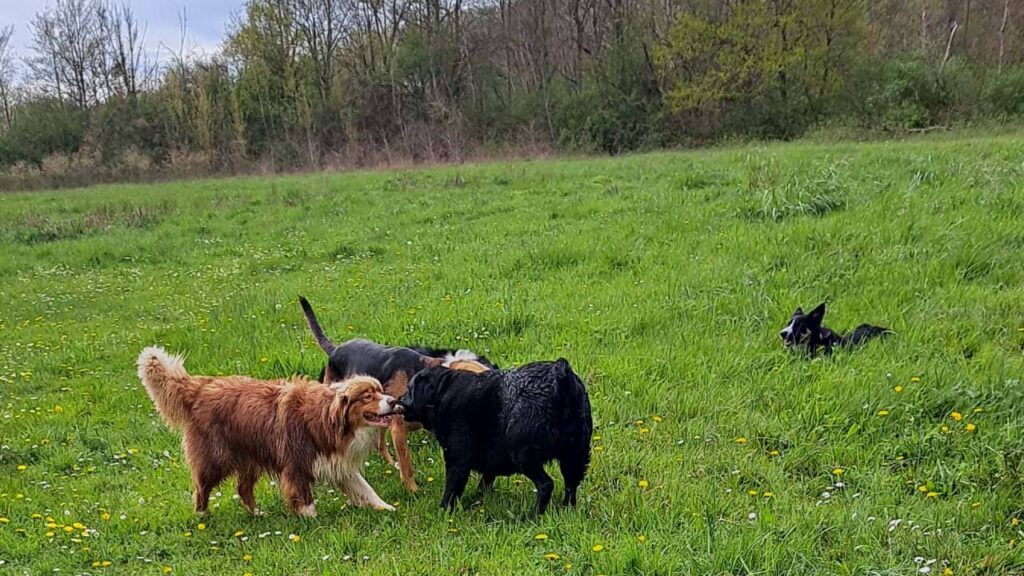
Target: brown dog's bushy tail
(172,389)
(318,332)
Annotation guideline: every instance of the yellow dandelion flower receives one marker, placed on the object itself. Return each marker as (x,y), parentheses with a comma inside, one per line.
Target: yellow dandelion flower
(883,413)
(58,409)
(975,504)
(970,427)
(187,534)
(105,516)
(69,529)
(106,563)
(598,448)
(4,520)
(453,530)
(264,359)
(78,526)
(239,533)
(957,416)
(641,538)
(49,534)
(773,453)
(741,440)
(201,526)
(933,494)
(430,478)
(96,564)
(752,492)
(656,418)
(769,494)
(22,467)
(541,536)
(838,471)
(915,379)
(947,572)
(247,574)
(898,389)
(294,537)
(1014,521)
(979,410)
(567,567)
(247,558)
(51,525)
(552,556)
(597,438)
(596,548)
(643,484)
(945,428)
(644,430)
(167,569)
(922,489)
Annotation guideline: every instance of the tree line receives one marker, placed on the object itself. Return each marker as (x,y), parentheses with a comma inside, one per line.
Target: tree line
(311,83)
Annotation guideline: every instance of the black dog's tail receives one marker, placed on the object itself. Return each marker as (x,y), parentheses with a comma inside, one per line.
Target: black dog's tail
(863,333)
(318,332)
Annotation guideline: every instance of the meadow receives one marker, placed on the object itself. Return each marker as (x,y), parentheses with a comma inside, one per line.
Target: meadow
(664,278)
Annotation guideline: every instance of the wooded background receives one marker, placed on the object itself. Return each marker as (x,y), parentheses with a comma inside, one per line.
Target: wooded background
(302,84)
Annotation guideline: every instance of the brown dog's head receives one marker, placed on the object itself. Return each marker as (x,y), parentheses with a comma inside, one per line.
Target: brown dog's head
(361,401)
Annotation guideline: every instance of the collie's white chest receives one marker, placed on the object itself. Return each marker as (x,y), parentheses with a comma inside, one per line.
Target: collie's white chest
(345,464)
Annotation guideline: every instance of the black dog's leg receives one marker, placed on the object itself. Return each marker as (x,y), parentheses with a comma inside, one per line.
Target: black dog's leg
(545,485)
(455,478)
(573,468)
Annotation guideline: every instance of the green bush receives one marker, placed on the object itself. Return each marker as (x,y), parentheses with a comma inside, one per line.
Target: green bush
(898,93)
(41,128)
(1004,92)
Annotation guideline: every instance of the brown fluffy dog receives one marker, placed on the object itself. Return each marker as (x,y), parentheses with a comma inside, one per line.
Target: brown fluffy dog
(244,427)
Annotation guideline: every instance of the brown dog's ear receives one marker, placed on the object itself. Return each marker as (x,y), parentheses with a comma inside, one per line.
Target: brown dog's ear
(429,362)
(338,413)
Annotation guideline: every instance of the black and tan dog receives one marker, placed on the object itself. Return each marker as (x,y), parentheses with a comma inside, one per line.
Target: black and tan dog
(807,331)
(393,366)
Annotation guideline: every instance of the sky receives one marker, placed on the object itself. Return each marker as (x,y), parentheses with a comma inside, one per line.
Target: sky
(207,20)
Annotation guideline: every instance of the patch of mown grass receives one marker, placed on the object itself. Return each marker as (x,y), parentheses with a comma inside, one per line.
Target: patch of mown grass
(663,278)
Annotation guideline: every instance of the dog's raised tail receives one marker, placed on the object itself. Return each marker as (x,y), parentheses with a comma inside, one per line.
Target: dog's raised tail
(863,333)
(325,343)
(172,389)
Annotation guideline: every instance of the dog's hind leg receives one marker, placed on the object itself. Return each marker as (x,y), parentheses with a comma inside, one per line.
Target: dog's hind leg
(573,468)
(398,436)
(246,482)
(545,485)
(207,471)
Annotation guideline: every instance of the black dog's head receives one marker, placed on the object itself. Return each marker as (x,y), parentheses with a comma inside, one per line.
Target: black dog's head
(425,391)
(803,329)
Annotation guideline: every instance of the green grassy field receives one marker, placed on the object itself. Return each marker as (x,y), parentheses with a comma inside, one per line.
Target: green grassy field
(663,278)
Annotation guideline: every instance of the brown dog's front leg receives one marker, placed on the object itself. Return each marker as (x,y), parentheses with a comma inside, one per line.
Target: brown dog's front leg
(382,447)
(398,435)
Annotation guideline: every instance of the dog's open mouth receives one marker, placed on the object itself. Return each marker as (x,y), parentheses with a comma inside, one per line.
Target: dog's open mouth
(383,420)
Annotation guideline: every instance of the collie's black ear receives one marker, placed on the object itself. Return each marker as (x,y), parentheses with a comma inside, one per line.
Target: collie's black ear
(799,311)
(818,314)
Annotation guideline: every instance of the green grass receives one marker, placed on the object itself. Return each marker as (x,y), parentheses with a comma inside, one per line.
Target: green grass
(663,278)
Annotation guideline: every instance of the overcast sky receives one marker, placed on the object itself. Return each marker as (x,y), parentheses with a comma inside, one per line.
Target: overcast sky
(206,22)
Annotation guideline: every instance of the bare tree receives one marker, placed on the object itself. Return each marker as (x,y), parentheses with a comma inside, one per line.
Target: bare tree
(125,60)
(7,72)
(323,25)
(1002,34)
(69,50)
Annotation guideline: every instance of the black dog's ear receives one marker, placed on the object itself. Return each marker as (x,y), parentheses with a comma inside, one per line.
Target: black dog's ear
(818,314)
(799,312)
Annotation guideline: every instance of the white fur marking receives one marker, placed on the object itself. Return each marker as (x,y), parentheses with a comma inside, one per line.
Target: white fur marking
(460,355)
(308,511)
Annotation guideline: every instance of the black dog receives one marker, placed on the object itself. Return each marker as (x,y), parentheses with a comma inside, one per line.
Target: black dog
(503,423)
(806,330)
